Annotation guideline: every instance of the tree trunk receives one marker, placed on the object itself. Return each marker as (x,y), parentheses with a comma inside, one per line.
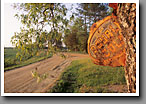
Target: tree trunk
(126,15)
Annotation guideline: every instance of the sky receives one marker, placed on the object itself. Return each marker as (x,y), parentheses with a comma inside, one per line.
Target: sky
(12,24)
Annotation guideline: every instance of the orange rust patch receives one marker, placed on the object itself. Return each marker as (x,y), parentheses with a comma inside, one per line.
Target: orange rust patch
(105,44)
(113,5)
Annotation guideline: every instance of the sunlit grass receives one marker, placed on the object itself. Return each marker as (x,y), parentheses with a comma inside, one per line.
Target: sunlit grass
(84,76)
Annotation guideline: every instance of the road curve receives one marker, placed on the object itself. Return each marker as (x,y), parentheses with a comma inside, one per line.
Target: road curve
(20,80)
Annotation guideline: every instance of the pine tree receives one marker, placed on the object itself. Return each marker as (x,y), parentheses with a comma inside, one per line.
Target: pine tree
(91,13)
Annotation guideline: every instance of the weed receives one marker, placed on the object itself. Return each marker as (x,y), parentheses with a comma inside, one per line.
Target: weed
(63,56)
(39,77)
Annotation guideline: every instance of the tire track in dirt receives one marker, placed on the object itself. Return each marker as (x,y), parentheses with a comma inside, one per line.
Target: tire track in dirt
(20,80)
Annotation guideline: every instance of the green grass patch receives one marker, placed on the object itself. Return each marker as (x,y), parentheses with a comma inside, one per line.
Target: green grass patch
(82,76)
(10,60)
(77,52)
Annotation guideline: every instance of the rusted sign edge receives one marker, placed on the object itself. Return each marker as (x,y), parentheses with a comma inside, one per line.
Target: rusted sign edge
(94,28)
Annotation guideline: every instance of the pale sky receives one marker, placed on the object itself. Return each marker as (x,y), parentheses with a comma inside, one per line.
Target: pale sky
(12,24)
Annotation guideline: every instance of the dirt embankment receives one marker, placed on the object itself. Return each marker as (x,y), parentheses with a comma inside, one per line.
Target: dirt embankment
(20,80)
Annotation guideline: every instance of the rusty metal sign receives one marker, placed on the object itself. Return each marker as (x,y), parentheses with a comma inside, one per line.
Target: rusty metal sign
(105,43)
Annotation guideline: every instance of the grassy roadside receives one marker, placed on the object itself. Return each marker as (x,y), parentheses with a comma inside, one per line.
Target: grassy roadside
(78,52)
(82,76)
(11,62)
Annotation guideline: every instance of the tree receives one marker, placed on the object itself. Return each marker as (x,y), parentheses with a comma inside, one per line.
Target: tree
(86,15)
(43,25)
(126,14)
(91,13)
(75,38)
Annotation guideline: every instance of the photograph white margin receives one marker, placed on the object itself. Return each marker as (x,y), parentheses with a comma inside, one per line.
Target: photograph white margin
(69,94)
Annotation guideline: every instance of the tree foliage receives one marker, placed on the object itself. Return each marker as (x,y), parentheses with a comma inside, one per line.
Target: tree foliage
(91,13)
(43,25)
(86,15)
(46,25)
(75,38)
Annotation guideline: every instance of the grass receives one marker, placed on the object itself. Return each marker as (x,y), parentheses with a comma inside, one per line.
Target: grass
(11,62)
(78,52)
(9,57)
(82,76)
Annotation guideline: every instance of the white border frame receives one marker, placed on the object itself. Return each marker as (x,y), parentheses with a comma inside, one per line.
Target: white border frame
(69,94)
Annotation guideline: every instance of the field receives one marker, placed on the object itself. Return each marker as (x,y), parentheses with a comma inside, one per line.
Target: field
(10,60)
(82,76)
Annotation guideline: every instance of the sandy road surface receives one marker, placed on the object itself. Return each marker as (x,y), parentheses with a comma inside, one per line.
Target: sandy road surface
(20,80)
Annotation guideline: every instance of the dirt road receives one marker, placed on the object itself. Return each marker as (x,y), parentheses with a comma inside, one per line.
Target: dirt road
(20,80)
